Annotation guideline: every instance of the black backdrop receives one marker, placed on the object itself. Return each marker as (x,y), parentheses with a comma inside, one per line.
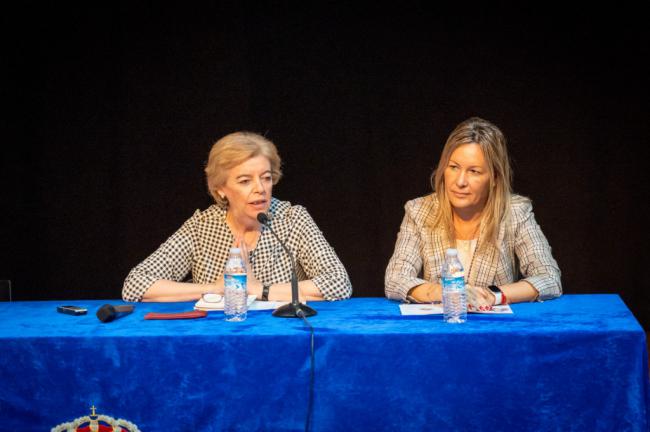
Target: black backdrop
(109,113)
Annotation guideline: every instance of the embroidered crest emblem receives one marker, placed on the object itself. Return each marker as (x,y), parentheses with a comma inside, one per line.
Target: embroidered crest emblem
(96,423)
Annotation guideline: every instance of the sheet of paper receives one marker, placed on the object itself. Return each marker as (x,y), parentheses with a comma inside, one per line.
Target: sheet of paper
(436,309)
(266,305)
(218,305)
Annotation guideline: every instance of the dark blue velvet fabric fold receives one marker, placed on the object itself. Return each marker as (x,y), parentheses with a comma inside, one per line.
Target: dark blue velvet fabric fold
(575,363)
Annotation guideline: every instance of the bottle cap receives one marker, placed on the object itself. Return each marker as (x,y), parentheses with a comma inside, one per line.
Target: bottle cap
(452,252)
(235,250)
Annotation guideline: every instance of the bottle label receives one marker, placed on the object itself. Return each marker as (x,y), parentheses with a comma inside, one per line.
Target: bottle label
(237,281)
(456,283)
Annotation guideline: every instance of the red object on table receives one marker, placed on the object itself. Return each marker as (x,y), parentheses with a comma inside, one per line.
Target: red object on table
(175,315)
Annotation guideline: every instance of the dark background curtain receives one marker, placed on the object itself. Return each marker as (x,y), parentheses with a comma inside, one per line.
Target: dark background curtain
(110,111)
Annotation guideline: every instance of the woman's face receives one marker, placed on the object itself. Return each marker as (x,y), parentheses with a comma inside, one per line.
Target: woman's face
(248,188)
(467,179)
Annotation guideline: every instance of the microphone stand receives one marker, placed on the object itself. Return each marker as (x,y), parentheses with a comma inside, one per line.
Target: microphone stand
(295,309)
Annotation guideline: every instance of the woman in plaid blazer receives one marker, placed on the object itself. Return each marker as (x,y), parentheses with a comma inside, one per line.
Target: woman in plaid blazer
(241,171)
(473,210)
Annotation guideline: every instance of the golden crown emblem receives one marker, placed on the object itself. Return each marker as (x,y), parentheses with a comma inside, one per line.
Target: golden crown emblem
(96,423)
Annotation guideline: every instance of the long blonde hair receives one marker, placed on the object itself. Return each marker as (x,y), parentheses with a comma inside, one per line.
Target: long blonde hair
(475,130)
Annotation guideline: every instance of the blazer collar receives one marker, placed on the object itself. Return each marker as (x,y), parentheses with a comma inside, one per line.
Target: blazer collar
(484,267)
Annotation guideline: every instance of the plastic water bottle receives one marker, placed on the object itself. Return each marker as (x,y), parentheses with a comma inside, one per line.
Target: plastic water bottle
(235,292)
(454,297)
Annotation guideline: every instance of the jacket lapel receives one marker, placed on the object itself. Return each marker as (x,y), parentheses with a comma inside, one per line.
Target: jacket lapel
(484,267)
(213,232)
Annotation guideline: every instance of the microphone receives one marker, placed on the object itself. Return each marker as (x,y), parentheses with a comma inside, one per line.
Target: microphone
(108,313)
(295,309)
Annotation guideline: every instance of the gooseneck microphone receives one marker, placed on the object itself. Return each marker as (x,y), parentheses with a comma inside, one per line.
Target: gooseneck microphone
(108,313)
(295,309)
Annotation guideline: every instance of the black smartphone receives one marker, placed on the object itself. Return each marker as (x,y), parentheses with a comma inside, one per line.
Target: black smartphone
(71,310)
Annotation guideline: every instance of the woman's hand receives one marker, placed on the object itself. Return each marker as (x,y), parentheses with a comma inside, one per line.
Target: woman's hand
(217,287)
(426,293)
(479,298)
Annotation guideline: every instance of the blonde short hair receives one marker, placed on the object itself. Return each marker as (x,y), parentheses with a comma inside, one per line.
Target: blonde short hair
(233,149)
(489,137)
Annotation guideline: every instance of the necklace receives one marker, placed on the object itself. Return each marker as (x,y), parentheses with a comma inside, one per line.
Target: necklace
(249,238)
(471,263)
(472,236)
(467,251)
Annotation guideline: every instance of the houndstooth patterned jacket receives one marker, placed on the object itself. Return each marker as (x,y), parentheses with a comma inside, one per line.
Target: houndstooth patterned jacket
(419,250)
(201,246)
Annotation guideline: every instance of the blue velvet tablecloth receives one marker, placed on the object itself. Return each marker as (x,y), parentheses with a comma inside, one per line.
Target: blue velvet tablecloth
(575,363)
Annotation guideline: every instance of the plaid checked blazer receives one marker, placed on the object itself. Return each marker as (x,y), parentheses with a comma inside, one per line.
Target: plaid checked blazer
(420,252)
(201,246)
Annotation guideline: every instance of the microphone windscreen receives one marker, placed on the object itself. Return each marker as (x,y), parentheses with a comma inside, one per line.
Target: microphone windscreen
(106,313)
(262,218)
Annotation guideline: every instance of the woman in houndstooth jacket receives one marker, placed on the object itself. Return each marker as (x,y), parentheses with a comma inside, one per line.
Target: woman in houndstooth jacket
(241,171)
(473,210)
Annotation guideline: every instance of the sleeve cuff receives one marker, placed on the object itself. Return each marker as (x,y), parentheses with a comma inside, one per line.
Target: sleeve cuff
(546,287)
(399,291)
(136,285)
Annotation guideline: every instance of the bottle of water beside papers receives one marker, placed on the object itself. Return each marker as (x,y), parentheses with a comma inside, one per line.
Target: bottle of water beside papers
(235,292)
(454,297)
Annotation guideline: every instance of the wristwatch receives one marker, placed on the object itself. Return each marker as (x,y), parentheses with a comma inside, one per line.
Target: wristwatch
(499,297)
(265,292)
